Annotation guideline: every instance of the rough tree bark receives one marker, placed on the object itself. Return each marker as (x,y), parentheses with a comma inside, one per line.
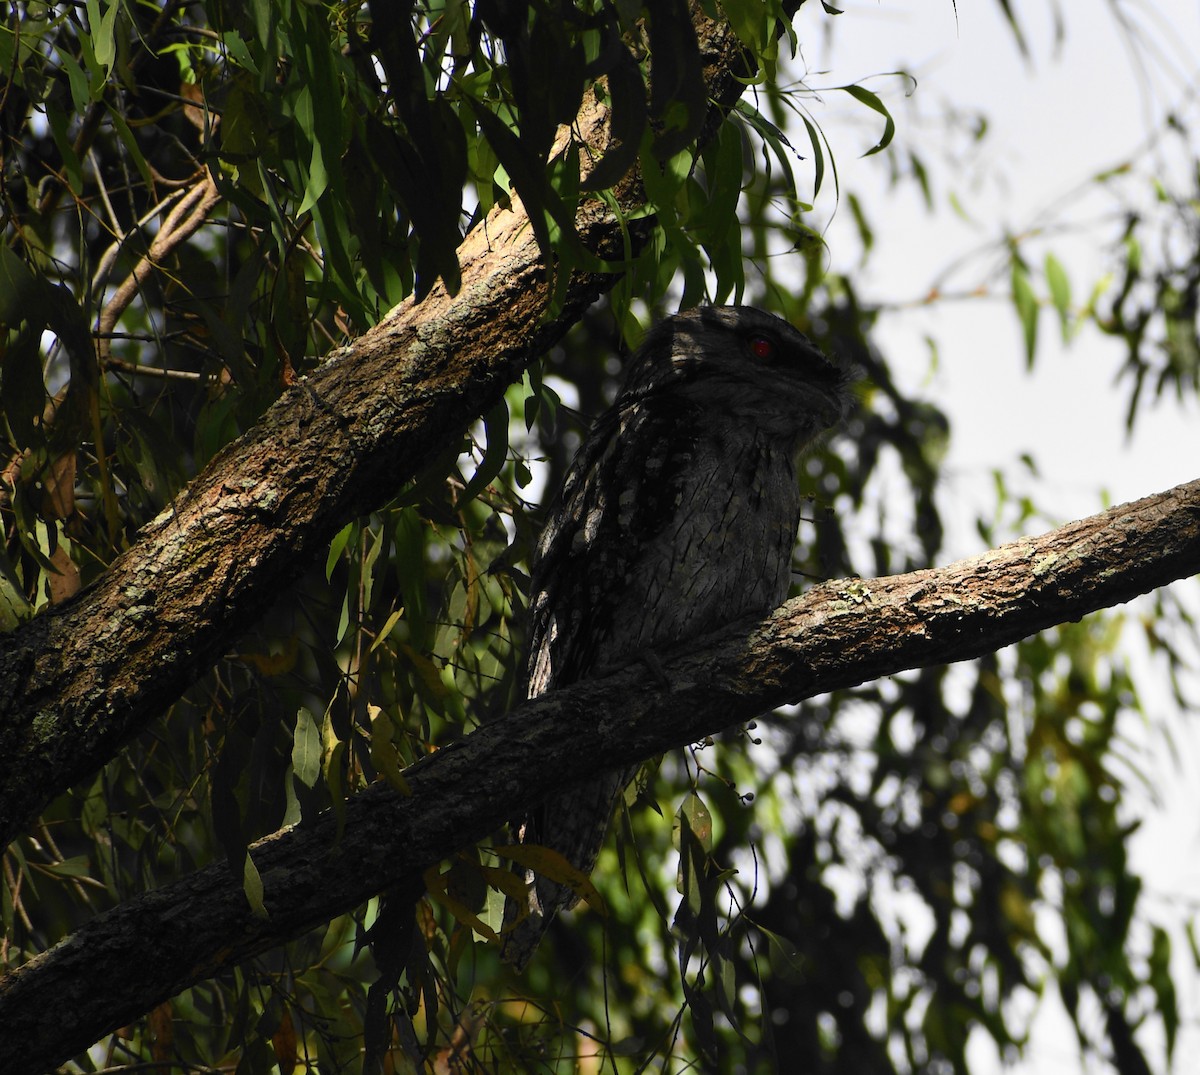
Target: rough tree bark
(838,635)
(82,679)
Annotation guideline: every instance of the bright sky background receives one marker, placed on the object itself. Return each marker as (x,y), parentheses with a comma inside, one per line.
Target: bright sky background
(1055,121)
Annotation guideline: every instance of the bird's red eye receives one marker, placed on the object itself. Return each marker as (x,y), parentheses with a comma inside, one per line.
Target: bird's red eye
(762,347)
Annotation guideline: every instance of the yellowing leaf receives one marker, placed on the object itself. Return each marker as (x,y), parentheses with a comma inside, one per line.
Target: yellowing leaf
(551,864)
(273,664)
(252,886)
(383,751)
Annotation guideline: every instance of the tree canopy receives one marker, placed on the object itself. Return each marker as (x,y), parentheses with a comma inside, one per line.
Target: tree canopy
(303,309)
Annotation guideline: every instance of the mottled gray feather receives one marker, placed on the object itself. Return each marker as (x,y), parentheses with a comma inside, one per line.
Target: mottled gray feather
(677,516)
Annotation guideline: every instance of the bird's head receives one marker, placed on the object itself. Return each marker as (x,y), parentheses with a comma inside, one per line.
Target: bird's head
(741,363)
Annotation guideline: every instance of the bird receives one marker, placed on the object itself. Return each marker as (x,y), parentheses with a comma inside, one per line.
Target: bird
(677,516)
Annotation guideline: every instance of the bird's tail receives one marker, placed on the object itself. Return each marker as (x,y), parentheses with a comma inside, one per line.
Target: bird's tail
(572,826)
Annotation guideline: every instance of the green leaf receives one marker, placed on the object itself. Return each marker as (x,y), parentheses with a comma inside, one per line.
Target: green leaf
(102,38)
(696,816)
(1193,946)
(865,234)
(723,167)
(1060,292)
(237,49)
(317,179)
(921,175)
(343,619)
(1164,986)
(662,184)
(495,424)
(337,546)
(81,93)
(306,749)
(872,101)
(786,959)
(132,147)
(14,608)
(387,628)
(369,559)
(775,139)
(814,139)
(77,866)
(1026,304)
(333,763)
(264,21)
(245,124)
(1015,27)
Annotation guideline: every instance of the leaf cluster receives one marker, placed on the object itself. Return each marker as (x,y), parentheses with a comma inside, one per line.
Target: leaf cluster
(199,201)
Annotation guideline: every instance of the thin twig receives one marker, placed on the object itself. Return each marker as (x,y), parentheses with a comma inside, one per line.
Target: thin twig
(152,371)
(181,223)
(110,255)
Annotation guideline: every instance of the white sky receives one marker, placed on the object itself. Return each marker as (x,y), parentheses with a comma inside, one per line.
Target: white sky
(1053,123)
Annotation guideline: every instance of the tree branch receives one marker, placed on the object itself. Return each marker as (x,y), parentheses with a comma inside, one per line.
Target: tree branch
(836,636)
(83,678)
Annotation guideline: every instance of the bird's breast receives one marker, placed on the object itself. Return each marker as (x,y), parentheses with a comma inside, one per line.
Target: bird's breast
(717,546)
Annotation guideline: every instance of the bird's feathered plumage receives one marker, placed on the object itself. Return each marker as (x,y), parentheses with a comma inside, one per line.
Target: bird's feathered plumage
(678,515)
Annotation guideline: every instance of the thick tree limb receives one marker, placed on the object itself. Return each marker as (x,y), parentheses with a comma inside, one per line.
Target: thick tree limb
(82,679)
(836,636)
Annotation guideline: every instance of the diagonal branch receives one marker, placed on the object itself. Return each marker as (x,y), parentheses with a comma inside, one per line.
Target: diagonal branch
(83,678)
(838,635)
